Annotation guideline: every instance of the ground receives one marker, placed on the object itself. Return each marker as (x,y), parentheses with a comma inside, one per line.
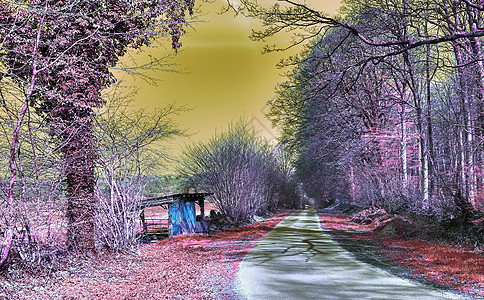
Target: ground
(300,260)
(205,266)
(447,266)
(185,267)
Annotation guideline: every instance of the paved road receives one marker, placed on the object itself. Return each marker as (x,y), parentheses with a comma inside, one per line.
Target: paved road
(298,260)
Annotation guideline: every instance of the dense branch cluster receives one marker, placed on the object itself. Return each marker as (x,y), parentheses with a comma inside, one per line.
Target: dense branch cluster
(245,174)
(385,106)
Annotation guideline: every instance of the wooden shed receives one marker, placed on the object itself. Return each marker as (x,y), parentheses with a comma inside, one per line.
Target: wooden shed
(182,218)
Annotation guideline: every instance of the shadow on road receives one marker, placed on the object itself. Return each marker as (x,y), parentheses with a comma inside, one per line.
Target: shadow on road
(298,260)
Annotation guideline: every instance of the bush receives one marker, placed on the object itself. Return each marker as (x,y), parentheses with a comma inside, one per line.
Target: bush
(126,142)
(239,167)
(117,213)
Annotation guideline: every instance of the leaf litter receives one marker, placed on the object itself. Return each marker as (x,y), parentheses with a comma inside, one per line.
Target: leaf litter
(185,267)
(454,267)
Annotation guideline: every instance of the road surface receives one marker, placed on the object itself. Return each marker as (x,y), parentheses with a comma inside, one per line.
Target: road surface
(299,260)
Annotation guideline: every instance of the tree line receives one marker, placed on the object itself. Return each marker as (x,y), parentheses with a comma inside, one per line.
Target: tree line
(385,105)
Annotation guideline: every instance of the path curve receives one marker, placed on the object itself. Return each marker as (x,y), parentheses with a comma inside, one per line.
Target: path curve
(299,260)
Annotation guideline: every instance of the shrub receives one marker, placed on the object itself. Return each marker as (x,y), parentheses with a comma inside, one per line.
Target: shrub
(239,167)
(127,140)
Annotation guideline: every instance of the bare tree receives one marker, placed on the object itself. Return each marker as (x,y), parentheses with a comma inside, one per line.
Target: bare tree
(15,117)
(129,149)
(238,166)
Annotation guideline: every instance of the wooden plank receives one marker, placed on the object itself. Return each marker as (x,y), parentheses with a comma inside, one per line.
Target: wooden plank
(187,216)
(166,200)
(201,203)
(143,221)
(156,225)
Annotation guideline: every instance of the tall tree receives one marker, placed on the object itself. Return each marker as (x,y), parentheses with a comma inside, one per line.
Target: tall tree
(78,41)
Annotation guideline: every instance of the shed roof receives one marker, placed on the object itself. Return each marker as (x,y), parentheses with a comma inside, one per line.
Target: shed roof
(168,199)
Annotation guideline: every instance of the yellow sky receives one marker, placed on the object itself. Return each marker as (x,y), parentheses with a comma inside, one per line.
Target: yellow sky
(225,75)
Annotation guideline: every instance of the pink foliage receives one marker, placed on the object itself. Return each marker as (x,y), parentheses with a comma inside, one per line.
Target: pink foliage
(68,47)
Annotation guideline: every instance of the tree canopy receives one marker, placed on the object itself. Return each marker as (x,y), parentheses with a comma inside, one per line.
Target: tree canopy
(385,104)
(60,53)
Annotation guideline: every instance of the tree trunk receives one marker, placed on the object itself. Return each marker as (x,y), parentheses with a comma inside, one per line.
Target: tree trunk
(467,133)
(423,153)
(461,175)
(425,176)
(352,185)
(5,246)
(80,181)
(477,54)
(430,142)
(403,155)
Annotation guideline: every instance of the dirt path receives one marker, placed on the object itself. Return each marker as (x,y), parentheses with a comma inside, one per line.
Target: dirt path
(298,260)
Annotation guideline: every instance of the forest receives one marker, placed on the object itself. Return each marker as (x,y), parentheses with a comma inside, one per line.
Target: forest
(382,110)
(384,107)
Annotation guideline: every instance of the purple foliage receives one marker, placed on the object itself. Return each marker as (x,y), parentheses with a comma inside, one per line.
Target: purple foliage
(64,50)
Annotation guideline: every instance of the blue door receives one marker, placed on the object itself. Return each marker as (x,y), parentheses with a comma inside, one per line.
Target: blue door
(182,215)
